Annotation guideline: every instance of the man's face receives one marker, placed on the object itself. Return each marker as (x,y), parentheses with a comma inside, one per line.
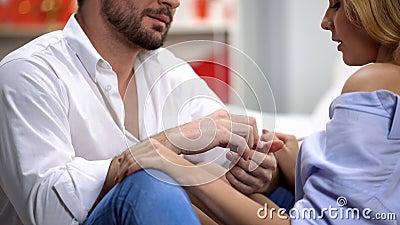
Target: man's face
(143,22)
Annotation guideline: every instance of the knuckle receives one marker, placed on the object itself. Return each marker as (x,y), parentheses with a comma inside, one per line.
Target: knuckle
(224,133)
(222,127)
(274,162)
(251,129)
(258,185)
(267,177)
(234,182)
(247,191)
(127,155)
(239,173)
(221,113)
(231,178)
(292,137)
(243,142)
(155,143)
(252,120)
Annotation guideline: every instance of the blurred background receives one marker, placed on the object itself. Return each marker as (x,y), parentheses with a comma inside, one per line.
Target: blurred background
(284,38)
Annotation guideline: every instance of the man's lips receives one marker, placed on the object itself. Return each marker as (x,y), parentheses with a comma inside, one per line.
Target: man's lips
(161,17)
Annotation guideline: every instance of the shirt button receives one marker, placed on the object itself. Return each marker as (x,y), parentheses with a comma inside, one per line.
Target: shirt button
(108,87)
(104,65)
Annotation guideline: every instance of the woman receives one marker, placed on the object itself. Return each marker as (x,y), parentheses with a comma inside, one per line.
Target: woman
(349,173)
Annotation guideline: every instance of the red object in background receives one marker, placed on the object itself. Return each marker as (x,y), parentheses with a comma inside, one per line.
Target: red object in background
(4,5)
(215,74)
(201,8)
(68,7)
(25,12)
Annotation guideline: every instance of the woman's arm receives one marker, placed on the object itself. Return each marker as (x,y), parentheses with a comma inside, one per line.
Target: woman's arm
(232,207)
(202,181)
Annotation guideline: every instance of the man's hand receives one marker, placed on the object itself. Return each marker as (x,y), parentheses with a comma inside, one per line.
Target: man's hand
(258,174)
(217,129)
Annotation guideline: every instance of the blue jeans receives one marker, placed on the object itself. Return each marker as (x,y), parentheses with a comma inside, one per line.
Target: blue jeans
(283,198)
(142,199)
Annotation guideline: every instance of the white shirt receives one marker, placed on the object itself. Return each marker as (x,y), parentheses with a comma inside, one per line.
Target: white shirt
(62,121)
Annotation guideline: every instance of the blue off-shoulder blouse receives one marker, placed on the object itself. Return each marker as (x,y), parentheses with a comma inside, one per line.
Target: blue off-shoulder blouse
(350,173)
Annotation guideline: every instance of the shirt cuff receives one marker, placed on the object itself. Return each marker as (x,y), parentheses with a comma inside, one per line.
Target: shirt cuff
(87,179)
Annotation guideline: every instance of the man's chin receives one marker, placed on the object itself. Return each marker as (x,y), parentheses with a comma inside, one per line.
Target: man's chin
(160,29)
(152,45)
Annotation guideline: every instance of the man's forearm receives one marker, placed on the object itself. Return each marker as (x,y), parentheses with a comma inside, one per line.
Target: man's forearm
(162,137)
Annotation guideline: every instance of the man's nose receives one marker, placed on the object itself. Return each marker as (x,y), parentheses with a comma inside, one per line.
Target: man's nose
(173,4)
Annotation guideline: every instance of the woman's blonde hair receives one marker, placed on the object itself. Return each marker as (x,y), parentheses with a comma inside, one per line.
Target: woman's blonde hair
(380,19)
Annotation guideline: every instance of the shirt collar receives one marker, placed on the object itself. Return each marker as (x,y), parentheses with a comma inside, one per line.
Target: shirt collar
(88,55)
(80,43)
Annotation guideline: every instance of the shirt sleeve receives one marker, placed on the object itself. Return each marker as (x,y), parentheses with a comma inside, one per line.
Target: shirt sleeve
(194,98)
(41,175)
(347,174)
(203,102)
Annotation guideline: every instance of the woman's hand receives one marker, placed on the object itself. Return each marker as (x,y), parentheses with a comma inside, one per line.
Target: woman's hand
(257,174)
(287,156)
(152,154)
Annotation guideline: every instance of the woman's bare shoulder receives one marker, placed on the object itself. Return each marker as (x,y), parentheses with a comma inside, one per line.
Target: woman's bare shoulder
(374,77)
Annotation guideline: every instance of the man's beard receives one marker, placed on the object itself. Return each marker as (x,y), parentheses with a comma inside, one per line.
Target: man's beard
(127,20)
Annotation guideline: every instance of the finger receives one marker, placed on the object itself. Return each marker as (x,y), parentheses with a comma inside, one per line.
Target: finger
(268,136)
(252,166)
(242,148)
(275,145)
(255,159)
(264,174)
(233,157)
(245,189)
(285,137)
(269,146)
(242,163)
(246,131)
(119,175)
(117,166)
(246,179)
(249,121)
(128,164)
(260,164)
(266,161)
(122,172)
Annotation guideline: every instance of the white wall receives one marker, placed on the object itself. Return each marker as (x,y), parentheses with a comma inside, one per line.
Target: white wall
(285,39)
(312,55)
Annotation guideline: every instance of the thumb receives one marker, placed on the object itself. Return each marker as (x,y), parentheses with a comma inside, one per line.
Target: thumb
(270,146)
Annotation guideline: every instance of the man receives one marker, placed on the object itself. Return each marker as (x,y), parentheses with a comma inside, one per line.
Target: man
(73,100)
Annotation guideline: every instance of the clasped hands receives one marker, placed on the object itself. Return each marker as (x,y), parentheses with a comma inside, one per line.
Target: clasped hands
(252,162)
